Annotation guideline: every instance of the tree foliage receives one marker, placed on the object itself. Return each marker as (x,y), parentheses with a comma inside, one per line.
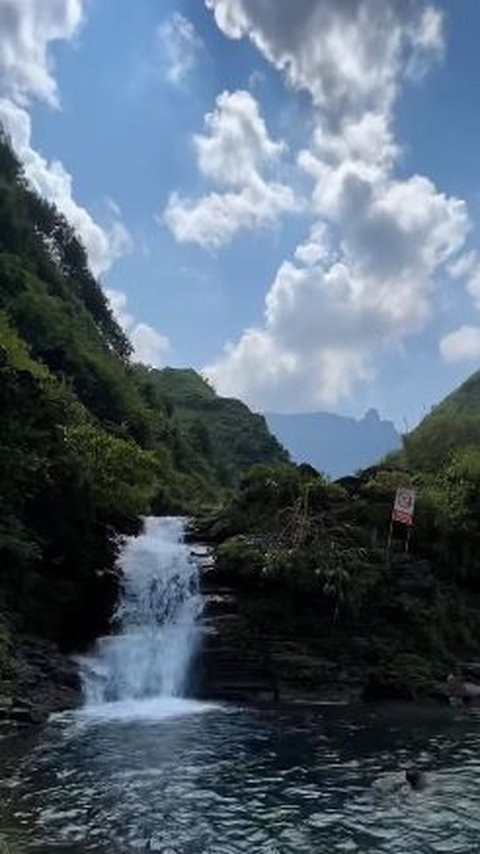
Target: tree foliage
(88,441)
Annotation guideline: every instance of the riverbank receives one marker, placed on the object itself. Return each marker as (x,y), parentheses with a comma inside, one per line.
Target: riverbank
(263,645)
(308,600)
(265,642)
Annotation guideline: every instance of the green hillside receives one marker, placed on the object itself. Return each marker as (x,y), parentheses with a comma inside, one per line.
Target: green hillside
(222,430)
(454,423)
(89,441)
(391,609)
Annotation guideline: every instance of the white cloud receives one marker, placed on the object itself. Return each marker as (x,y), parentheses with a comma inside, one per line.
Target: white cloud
(461,345)
(368,275)
(427,41)
(214,220)
(327,323)
(237,154)
(380,285)
(465,268)
(473,284)
(256,80)
(52,181)
(180,45)
(316,248)
(361,146)
(348,55)
(464,265)
(236,144)
(113,207)
(118,303)
(262,370)
(149,346)
(28,27)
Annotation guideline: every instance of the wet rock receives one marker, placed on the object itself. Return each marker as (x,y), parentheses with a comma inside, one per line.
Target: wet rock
(43,681)
(249,656)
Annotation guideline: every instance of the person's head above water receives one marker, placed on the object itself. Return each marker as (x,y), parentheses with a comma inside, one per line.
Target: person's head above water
(415,777)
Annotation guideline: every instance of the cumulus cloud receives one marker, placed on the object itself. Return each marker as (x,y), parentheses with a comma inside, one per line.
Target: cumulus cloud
(28,28)
(214,220)
(368,274)
(275,371)
(180,46)
(52,181)
(118,303)
(149,346)
(466,268)
(330,316)
(464,265)
(317,247)
(348,54)
(326,323)
(236,144)
(461,345)
(473,286)
(237,153)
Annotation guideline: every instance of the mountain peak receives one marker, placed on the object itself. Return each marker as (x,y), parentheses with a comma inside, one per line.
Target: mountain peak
(372,416)
(335,444)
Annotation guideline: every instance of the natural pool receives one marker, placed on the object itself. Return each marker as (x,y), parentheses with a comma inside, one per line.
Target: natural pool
(161,777)
(141,768)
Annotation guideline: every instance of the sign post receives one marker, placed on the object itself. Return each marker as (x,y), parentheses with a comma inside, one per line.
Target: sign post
(404,506)
(403,512)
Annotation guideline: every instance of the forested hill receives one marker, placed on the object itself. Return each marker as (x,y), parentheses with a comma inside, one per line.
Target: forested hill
(227,434)
(389,608)
(88,441)
(454,423)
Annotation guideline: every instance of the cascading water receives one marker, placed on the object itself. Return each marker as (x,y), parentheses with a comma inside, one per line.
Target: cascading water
(156,622)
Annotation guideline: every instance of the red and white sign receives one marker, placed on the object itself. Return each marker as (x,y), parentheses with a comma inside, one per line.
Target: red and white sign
(404,506)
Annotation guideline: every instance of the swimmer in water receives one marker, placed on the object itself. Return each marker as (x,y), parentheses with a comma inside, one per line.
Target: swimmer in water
(397,782)
(416,779)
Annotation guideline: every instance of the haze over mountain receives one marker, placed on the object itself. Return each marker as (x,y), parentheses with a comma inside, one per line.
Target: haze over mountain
(335,444)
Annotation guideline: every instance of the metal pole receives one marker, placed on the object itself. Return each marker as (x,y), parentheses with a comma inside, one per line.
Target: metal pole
(389,541)
(407,540)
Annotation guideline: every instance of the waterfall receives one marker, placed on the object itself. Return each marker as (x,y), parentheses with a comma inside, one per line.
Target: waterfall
(156,622)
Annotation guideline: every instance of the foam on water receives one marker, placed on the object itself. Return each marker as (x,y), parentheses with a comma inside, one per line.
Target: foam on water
(154,709)
(141,670)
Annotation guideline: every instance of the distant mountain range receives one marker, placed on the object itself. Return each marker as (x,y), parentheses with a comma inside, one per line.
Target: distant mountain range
(335,444)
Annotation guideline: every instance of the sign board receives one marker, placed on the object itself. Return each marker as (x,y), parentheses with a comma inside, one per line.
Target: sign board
(404,506)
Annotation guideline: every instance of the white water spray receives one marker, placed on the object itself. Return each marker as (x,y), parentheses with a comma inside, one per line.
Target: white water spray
(156,620)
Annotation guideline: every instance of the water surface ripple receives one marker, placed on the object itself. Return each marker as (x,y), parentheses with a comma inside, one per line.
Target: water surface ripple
(223,781)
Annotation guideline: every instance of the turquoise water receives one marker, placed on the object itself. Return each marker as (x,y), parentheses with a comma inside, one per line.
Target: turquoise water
(192,779)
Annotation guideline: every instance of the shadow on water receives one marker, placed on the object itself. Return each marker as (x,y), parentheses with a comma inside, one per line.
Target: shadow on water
(222,781)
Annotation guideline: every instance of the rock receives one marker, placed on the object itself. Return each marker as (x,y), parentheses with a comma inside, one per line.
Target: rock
(43,681)
(245,657)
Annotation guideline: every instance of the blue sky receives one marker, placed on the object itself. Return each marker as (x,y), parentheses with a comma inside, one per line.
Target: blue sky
(201,142)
